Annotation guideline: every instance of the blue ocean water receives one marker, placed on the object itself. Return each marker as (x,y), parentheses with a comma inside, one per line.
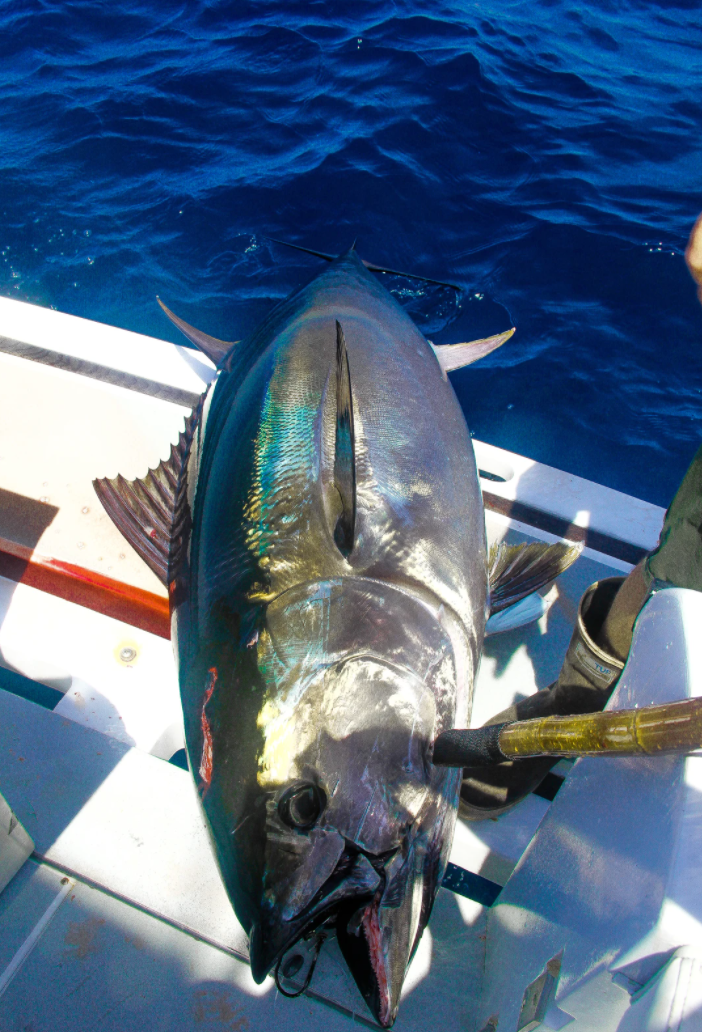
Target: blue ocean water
(544,155)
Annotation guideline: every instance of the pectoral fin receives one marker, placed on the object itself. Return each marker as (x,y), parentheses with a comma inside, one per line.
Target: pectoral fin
(455,356)
(515,571)
(214,348)
(344,449)
(144,509)
(521,614)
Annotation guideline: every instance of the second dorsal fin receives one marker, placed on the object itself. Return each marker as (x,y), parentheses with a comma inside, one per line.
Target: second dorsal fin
(344,449)
(455,356)
(214,348)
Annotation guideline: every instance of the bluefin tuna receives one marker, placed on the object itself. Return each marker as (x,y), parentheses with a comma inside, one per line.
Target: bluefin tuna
(321,531)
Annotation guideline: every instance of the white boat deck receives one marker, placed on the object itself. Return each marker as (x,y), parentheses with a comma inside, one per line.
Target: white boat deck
(142,935)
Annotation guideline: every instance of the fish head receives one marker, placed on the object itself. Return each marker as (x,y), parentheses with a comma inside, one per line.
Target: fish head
(360,679)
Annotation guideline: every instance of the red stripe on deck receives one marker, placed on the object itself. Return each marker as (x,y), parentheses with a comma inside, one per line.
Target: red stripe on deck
(87,588)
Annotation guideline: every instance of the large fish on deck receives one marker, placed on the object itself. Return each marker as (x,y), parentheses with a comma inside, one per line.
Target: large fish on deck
(320,528)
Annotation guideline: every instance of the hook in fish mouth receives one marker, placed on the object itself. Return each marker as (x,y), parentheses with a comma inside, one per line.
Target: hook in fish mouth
(295,967)
(370,903)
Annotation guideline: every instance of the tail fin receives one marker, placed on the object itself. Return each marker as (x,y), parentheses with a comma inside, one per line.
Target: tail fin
(369,265)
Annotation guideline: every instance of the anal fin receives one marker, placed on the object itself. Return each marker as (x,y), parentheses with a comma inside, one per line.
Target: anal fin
(515,571)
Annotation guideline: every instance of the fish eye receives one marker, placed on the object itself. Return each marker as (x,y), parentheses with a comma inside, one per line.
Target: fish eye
(302,805)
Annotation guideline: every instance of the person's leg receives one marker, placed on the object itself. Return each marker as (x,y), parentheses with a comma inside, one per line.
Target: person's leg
(677,559)
(602,636)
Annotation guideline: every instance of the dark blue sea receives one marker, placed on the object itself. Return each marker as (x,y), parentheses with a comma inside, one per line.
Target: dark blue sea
(546,156)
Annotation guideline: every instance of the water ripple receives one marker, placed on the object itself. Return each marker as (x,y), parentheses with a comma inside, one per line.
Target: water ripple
(545,158)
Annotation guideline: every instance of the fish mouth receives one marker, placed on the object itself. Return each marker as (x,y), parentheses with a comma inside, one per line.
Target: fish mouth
(360,937)
(377,942)
(378,938)
(374,905)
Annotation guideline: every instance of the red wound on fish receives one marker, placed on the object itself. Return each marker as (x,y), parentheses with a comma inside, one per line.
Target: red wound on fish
(374,939)
(206,761)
